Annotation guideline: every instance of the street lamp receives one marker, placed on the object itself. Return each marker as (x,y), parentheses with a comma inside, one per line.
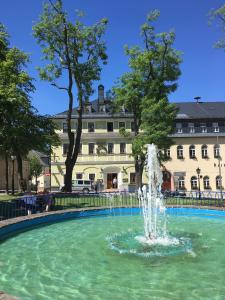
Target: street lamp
(198,171)
(13,171)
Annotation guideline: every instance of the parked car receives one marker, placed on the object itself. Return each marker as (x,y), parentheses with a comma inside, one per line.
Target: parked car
(80,185)
(174,193)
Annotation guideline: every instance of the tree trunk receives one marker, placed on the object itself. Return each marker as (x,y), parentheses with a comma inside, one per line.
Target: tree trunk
(6,174)
(139,166)
(20,172)
(68,176)
(36,183)
(73,152)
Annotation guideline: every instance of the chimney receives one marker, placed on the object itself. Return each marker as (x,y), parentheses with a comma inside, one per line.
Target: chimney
(101,94)
(197,99)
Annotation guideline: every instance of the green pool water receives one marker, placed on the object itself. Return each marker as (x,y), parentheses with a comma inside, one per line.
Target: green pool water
(74,260)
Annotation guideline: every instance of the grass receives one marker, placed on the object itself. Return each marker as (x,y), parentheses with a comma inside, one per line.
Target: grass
(6,197)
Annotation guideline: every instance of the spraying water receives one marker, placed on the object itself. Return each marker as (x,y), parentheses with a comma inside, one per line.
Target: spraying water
(151,202)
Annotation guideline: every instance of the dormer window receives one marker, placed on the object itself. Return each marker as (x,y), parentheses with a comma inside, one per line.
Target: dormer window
(88,108)
(216,127)
(179,127)
(203,127)
(191,127)
(102,108)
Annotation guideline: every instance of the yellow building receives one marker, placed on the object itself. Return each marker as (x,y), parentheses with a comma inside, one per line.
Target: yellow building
(199,136)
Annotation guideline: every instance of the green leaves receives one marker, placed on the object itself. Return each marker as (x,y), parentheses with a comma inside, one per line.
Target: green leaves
(35,167)
(70,46)
(144,90)
(218,15)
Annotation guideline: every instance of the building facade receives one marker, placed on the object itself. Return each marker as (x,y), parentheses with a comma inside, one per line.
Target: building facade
(195,159)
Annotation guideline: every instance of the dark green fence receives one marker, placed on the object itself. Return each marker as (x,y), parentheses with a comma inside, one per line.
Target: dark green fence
(62,201)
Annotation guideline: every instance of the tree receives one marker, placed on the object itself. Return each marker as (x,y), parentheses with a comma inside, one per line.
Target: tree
(21,127)
(218,15)
(144,91)
(74,52)
(35,169)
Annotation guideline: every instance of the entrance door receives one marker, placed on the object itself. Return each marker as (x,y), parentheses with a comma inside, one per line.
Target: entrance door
(112,181)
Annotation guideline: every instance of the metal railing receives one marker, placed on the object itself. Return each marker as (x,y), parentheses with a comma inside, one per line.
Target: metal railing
(64,201)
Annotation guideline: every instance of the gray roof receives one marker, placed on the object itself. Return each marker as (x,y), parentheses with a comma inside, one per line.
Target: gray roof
(186,110)
(201,110)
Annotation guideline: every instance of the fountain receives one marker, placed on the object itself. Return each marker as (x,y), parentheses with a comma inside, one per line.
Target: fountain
(156,240)
(157,262)
(151,200)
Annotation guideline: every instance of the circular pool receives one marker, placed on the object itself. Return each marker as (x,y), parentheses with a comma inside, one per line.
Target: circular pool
(78,259)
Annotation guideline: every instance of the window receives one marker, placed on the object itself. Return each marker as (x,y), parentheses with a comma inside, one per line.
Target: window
(80,149)
(110,148)
(132,126)
(192,151)
(91,127)
(132,178)
(181,183)
(109,126)
(65,129)
(216,151)
(216,127)
(65,149)
(191,127)
(206,184)
(167,152)
(91,148)
(218,182)
(92,177)
(194,183)
(204,151)
(121,125)
(203,127)
(79,176)
(180,152)
(179,127)
(102,108)
(88,108)
(122,148)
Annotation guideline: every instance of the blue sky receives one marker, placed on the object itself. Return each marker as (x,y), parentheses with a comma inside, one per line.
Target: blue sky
(203,67)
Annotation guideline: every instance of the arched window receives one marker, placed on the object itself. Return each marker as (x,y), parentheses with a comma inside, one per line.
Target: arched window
(218,182)
(180,152)
(206,182)
(216,151)
(192,151)
(204,151)
(194,183)
(181,183)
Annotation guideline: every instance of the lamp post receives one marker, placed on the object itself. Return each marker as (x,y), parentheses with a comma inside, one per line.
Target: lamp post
(198,171)
(13,171)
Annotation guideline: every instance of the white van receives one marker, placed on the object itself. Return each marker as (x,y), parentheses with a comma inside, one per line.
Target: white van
(82,185)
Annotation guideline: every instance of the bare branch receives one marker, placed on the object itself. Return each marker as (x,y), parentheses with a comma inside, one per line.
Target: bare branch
(59,87)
